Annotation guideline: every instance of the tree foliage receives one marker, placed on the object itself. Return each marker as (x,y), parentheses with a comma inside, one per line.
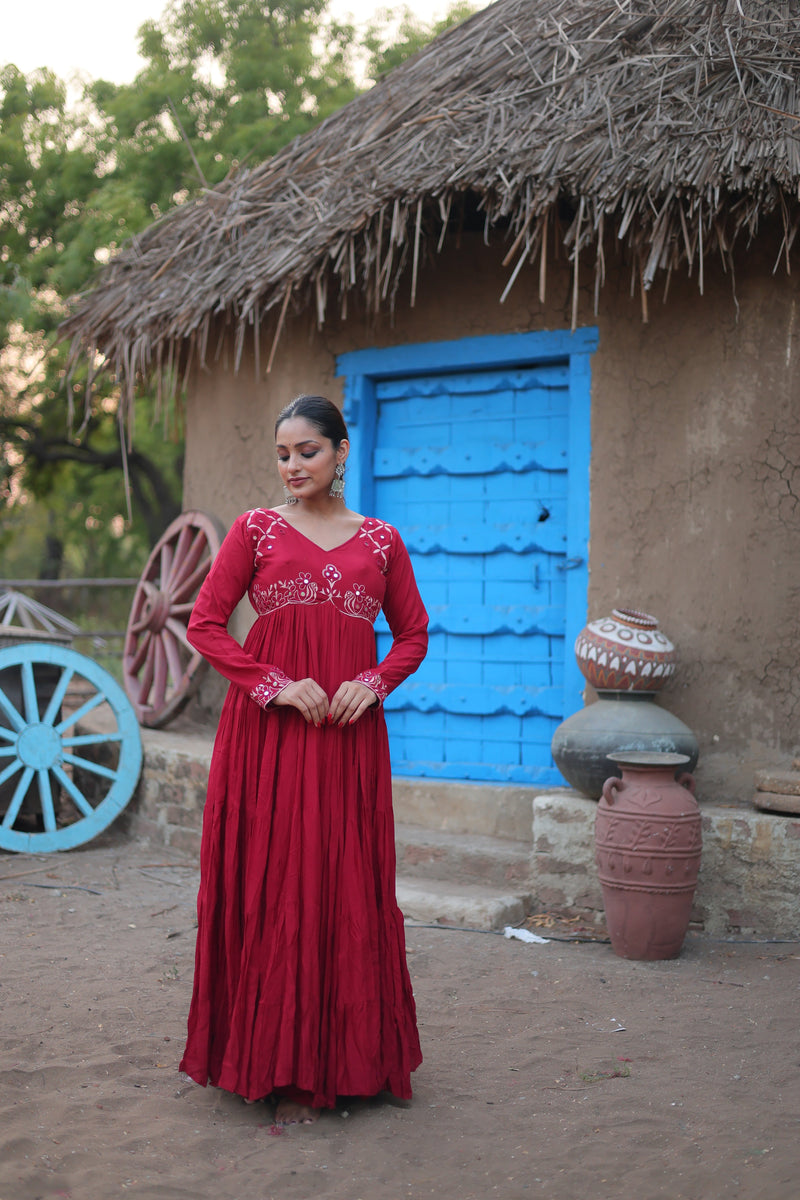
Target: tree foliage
(224,82)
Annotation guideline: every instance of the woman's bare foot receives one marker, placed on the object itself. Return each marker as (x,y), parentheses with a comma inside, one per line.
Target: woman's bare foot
(289,1112)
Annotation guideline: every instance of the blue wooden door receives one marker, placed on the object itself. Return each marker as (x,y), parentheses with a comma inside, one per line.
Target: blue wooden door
(473,466)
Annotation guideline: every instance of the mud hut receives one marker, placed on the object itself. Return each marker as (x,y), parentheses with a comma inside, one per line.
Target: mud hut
(546,268)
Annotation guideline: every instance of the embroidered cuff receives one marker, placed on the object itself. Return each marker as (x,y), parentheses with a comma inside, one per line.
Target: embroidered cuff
(374,681)
(272,683)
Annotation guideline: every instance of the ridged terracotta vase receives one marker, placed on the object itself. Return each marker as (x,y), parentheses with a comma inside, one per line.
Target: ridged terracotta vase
(647,850)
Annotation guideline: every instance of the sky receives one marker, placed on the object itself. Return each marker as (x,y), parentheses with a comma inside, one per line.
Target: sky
(98,38)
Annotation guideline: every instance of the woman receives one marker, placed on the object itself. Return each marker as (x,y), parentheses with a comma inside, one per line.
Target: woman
(301,988)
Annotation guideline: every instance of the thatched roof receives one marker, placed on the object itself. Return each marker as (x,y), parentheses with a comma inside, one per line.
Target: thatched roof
(671,125)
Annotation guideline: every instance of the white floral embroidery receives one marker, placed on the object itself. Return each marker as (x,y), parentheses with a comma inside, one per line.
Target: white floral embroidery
(273,682)
(264,526)
(374,681)
(301,590)
(261,527)
(332,576)
(359,603)
(378,536)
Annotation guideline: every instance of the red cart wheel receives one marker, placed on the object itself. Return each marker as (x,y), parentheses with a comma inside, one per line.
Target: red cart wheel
(160,669)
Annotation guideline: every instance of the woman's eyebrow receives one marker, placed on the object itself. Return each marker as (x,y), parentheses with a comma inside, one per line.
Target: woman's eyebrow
(307,442)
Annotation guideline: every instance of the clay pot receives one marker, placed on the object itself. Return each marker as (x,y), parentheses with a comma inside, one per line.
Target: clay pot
(616,721)
(647,850)
(626,652)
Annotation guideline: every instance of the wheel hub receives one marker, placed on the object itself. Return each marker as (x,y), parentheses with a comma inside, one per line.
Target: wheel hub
(39,746)
(156,611)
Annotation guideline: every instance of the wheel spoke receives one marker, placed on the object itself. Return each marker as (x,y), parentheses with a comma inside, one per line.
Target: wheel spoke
(147,675)
(182,610)
(91,739)
(179,554)
(134,665)
(16,719)
(160,677)
(46,800)
(166,566)
(75,717)
(86,764)
(194,580)
(173,657)
(29,694)
(149,588)
(57,698)
(188,563)
(179,631)
(19,795)
(9,771)
(77,797)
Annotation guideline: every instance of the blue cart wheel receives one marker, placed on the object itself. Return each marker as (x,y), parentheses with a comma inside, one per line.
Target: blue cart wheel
(70,748)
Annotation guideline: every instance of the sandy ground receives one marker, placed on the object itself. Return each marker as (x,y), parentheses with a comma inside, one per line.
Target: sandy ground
(555,1070)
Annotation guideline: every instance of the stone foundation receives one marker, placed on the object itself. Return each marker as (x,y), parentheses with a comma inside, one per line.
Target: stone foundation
(749,882)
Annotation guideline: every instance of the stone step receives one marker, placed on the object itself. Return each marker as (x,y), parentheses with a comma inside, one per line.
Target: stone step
(466,905)
(487,809)
(424,853)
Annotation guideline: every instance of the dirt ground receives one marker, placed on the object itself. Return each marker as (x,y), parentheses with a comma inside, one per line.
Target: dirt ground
(556,1070)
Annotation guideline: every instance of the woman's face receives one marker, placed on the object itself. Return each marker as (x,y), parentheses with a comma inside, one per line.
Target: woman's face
(306,458)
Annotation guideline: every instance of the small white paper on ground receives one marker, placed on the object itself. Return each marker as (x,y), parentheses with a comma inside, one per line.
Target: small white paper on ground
(524,935)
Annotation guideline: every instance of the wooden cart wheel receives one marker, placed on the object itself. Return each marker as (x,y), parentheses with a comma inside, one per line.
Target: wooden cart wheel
(70,748)
(160,669)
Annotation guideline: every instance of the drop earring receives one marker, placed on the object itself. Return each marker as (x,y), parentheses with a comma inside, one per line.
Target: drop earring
(337,483)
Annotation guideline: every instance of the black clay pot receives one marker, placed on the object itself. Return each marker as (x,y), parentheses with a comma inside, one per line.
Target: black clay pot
(617,721)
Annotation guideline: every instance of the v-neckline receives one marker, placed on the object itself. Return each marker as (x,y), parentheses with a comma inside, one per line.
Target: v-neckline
(322,549)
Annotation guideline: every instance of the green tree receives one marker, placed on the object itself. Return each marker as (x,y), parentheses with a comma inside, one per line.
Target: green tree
(224,82)
(394,34)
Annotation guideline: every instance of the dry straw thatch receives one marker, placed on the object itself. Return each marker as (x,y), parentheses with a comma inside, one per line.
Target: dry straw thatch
(671,125)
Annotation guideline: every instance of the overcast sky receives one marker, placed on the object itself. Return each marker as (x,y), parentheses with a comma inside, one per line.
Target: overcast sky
(99,39)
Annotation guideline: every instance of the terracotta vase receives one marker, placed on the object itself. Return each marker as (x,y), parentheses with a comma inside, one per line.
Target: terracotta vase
(626,652)
(647,850)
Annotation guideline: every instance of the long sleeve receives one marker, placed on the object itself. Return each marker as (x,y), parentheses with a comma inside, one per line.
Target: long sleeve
(224,586)
(408,621)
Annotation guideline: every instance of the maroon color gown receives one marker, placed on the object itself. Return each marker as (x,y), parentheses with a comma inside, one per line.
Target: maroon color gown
(300,973)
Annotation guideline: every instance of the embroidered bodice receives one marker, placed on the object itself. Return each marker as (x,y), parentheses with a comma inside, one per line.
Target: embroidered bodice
(311,593)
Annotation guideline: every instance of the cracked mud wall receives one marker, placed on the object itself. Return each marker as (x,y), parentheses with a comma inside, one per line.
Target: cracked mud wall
(695,505)
(695,475)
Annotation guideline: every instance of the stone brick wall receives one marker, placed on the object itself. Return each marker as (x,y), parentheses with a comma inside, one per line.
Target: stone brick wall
(748,882)
(167,807)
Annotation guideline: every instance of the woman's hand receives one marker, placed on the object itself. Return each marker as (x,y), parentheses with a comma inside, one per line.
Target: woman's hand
(307,697)
(351,701)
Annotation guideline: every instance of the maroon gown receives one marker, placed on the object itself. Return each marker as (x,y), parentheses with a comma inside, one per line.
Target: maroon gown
(300,977)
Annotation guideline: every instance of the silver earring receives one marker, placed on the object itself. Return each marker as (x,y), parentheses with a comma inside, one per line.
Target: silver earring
(290,499)
(337,484)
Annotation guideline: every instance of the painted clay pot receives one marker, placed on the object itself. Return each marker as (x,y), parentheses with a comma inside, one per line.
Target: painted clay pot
(647,850)
(616,721)
(626,652)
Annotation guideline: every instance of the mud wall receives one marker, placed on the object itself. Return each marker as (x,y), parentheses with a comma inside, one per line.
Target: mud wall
(695,479)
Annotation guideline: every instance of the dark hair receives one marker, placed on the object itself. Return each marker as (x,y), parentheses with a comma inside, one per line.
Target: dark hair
(319,412)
